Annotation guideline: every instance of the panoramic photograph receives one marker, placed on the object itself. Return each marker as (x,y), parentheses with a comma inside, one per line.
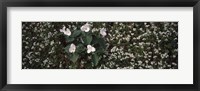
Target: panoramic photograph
(100,45)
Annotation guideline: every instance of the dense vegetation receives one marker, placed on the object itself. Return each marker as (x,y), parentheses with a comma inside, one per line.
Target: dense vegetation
(99,45)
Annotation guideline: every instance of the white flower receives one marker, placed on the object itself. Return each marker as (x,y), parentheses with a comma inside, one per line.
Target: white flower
(52,42)
(90,49)
(66,31)
(94,29)
(103,32)
(72,48)
(63,29)
(85,27)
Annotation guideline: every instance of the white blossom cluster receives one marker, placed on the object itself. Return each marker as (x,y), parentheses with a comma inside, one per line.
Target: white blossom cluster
(144,45)
(38,40)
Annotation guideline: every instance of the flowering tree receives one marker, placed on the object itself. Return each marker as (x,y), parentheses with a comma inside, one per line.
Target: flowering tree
(100,45)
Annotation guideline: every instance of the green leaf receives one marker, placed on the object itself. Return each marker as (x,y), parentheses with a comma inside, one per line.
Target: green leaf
(95,59)
(95,40)
(102,43)
(76,33)
(87,40)
(83,33)
(100,50)
(74,57)
(66,37)
(69,39)
(67,48)
(80,45)
(80,48)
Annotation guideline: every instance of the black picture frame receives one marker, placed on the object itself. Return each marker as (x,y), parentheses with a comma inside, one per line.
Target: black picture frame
(100,3)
